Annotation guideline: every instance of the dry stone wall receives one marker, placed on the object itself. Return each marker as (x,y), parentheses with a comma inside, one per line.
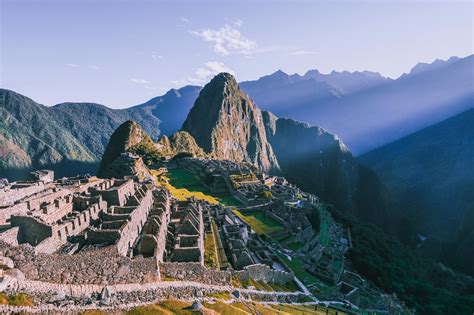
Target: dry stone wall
(194,272)
(261,272)
(99,266)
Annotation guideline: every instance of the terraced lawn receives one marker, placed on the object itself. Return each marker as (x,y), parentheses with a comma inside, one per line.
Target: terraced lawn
(260,222)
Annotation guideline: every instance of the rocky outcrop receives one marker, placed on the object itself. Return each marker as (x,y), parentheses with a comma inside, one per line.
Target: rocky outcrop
(181,142)
(119,159)
(226,124)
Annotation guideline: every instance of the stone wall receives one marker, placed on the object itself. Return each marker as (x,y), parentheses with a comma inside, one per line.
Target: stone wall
(98,266)
(261,272)
(8,197)
(194,271)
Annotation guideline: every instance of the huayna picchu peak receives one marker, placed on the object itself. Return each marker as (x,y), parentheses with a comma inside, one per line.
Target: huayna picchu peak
(227,125)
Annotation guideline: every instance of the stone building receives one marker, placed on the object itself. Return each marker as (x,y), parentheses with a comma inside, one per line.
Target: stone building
(187,226)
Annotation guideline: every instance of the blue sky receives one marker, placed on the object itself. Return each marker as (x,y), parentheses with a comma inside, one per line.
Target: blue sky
(121,53)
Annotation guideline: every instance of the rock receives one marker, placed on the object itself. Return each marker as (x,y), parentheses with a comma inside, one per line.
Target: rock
(105,296)
(16,274)
(58,296)
(197,306)
(6,263)
(236,294)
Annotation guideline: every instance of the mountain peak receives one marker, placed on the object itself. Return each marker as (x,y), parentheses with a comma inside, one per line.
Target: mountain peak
(226,123)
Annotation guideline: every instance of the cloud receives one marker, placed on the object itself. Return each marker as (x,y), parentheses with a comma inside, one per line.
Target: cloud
(155,56)
(227,40)
(302,52)
(185,20)
(72,65)
(203,74)
(139,81)
(93,67)
(238,23)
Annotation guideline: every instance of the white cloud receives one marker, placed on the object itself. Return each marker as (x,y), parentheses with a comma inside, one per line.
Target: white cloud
(139,81)
(227,40)
(203,74)
(93,67)
(72,65)
(185,20)
(238,22)
(302,52)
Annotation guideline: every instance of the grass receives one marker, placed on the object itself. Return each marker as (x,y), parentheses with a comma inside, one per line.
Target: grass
(183,185)
(221,256)
(165,307)
(259,222)
(220,295)
(295,245)
(20,299)
(324,227)
(210,253)
(297,267)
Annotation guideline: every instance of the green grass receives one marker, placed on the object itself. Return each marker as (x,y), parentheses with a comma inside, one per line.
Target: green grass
(296,266)
(210,256)
(324,228)
(295,245)
(260,222)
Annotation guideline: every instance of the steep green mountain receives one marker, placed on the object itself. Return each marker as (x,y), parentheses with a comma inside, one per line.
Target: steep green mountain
(227,124)
(31,138)
(431,175)
(319,162)
(93,124)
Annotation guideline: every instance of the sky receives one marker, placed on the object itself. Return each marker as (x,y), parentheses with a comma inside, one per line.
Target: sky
(122,53)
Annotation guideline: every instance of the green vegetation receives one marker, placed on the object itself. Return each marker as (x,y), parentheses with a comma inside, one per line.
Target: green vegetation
(221,256)
(422,284)
(266,194)
(19,299)
(295,245)
(314,218)
(148,151)
(169,307)
(210,253)
(259,221)
(220,295)
(296,266)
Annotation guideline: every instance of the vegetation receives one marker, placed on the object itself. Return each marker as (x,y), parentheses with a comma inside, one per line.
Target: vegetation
(314,217)
(266,194)
(18,299)
(210,253)
(428,287)
(148,151)
(260,222)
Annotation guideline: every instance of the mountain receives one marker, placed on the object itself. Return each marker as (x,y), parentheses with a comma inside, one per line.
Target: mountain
(365,109)
(319,162)
(119,159)
(93,124)
(171,108)
(31,138)
(430,174)
(227,124)
(181,142)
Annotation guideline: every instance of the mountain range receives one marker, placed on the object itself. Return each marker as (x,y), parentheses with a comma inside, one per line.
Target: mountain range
(431,176)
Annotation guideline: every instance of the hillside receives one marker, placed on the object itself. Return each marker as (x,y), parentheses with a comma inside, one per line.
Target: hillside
(319,162)
(430,173)
(31,138)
